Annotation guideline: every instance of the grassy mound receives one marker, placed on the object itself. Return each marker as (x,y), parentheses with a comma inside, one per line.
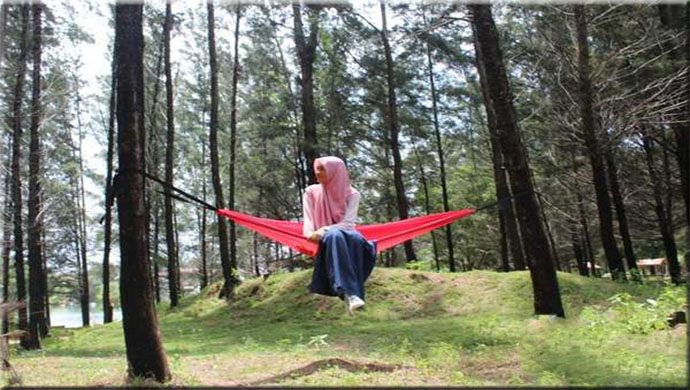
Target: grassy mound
(419,328)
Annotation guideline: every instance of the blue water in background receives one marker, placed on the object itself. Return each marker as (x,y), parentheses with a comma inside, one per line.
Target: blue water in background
(70,316)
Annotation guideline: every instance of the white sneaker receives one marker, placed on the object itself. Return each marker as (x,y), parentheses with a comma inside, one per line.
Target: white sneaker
(354,302)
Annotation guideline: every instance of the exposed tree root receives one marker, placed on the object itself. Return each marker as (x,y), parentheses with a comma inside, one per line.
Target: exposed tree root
(328,363)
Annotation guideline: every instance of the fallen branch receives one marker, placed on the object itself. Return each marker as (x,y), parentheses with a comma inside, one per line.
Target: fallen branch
(328,363)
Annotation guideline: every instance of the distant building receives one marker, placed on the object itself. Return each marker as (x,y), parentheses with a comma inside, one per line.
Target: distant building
(653,267)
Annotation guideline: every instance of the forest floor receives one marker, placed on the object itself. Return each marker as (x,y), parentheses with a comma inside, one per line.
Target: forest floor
(419,328)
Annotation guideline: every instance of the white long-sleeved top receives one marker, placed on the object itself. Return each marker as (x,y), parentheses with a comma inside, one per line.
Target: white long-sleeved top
(349,218)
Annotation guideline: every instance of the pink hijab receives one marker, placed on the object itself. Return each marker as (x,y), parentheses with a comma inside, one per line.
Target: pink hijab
(330,198)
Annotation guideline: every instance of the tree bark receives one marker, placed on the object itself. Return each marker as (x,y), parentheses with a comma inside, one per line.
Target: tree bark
(620,213)
(36,274)
(169,154)
(306,53)
(392,119)
(506,214)
(608,240)
(233,140)
(16,126)
(666,229)
(547,299)
(6,240)
(107,305)
(144,345)
(230,280)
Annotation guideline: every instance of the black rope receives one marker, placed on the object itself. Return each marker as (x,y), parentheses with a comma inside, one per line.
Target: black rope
(504,200)
(191,199)
(183,196)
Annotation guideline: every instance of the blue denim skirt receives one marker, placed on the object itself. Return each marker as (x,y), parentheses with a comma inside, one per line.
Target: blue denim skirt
(343,263)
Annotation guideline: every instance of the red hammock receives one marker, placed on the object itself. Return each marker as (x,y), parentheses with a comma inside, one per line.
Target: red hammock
(385,235)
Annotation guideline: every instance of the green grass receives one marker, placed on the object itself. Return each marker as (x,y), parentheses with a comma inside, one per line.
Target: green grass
(474,328)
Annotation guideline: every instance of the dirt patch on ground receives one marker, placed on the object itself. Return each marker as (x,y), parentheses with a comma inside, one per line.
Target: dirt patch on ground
(497,371)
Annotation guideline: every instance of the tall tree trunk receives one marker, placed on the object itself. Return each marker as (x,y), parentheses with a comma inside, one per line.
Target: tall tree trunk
(143,341)
(233,139)
(427,207)
(16,126)
(229,278)
(441,158)
(204,265)
(672,20)
(620,212)
(668,188)
(306,53)
(392,119)
(156,252)
(588,251)
(169,154)
(84,294)
(7,219)
(3,33)
(608,240)
(666,229)
(154,151)
(300,173)
(36,274)
(506,215)
(46,296)
(547,298)
(107,305)
(577,250)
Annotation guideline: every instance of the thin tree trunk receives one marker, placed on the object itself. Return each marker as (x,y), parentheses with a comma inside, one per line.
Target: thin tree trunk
(204,265)
(620,213)
(18,96)
(156,252)
(441,159)
(672,20)
(300,172)
(589,252)
(549,235)
(178,269)
(233,140)
(392,119)
(143,341)
(547,299)
(427,207)
(666,229)
(154,146)
(169,154)
(3,32)
(107,305)
(306,53)
(255,245)
(36,310)
(668,188)
(608,240)
(81,220)
(229,278)
(577,251)
(7,239)
(506,215)
(46,295)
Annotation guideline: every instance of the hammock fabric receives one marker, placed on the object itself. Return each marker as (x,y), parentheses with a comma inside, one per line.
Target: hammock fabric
(385,235)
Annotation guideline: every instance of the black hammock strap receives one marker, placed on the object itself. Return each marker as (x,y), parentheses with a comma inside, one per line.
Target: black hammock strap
(186,197)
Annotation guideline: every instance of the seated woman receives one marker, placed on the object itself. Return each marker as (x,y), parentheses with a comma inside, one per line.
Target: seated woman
(345,259)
